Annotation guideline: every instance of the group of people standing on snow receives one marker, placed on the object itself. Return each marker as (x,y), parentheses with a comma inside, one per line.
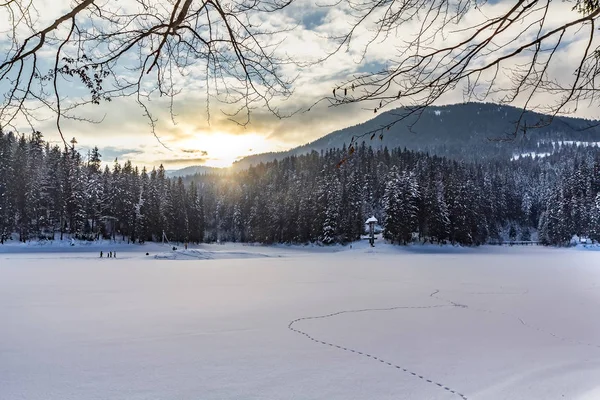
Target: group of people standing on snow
(110,254)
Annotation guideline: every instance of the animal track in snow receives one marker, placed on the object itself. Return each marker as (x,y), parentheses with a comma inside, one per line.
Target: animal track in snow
(373,357)
(521,320)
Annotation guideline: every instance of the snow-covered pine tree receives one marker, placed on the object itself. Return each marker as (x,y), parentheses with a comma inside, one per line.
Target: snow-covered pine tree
(392,204)
(438,218)
(76,200)
(595,219)
(152,208)
(331,218)
(21,188)
(6,172)
(93,190)
(167,211)
(409,210)
(180,212)
(195,215)
(141,209)
(36,193)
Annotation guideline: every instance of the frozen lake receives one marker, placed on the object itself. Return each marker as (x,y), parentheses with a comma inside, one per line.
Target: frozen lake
(233,322)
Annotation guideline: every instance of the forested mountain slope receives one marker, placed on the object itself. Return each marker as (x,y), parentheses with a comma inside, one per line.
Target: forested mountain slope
(468,132)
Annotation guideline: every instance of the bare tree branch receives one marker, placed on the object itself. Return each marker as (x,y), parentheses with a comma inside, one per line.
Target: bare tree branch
(145,52)
(518,44)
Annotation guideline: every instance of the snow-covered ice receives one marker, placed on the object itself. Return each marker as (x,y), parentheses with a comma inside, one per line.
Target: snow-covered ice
(285,322)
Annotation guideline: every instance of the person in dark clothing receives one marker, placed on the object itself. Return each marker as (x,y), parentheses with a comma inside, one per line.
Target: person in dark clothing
(100,253)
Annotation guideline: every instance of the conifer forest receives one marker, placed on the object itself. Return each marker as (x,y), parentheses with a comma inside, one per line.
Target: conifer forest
(48,193)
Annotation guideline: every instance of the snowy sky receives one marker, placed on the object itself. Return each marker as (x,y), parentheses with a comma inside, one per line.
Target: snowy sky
(124,132)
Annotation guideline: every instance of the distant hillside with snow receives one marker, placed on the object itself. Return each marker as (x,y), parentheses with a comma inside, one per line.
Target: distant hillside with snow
(470,132)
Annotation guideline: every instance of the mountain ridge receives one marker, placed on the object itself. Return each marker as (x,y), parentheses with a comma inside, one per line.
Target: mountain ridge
(463,131)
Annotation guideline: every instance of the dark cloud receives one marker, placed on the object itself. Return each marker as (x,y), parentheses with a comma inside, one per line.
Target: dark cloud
(109,153)
(174,162)
(195,151)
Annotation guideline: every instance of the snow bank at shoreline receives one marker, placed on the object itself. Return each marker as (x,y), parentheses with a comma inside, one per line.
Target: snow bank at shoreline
(201,254)
(204,251)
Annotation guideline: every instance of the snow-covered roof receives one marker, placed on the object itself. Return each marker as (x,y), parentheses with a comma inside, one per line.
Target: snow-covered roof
(372,219)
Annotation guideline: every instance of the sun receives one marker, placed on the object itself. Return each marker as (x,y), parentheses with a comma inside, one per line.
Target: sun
(223,149)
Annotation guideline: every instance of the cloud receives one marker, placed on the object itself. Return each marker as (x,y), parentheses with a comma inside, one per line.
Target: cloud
(183,162)
(109,153)
(125,132)
(194,151)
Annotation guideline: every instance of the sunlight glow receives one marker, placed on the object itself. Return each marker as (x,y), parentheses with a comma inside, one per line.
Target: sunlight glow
(223,149)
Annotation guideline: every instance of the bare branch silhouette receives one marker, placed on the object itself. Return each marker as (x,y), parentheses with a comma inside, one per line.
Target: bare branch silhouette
(140,49)
(506,57)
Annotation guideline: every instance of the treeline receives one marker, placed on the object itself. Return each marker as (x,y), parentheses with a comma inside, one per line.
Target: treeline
(47,192)
(572,205)
(416,197)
